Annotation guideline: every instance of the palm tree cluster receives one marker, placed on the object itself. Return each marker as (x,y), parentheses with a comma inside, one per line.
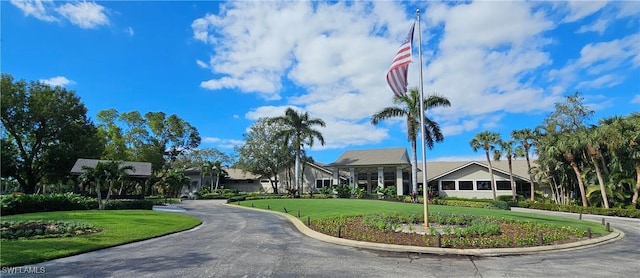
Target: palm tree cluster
(104,173)
(592,164)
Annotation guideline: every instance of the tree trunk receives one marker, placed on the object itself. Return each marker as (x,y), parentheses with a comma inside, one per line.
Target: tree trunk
(493,181)
(513,183)
(217,181)
(603,191)
(636,190)
(99,195)
(296,177)
(575,168)
(414,167)
(530,178)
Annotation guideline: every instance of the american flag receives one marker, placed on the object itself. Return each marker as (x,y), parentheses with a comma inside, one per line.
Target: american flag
(397,74)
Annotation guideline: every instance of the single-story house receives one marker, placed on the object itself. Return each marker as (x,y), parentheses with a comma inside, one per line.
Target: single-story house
(140,169)
(314,177)
(372,168)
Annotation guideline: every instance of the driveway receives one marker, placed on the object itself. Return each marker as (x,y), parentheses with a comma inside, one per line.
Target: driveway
(235,242)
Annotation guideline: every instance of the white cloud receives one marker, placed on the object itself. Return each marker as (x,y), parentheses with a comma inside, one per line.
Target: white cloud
(599,27)
(57,81)
(580,9)
(130,31)
(636,99)
(222,143)
(489,59)
(202,64)
(36,8)
(86,15)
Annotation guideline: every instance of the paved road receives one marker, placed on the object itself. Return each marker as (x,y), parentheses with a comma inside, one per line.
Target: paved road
(234,242)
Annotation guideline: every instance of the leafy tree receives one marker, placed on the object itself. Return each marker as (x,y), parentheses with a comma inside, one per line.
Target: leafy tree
(197,157)
(298,130)
(263,153)
(173,182)
(592,144)
(45,130)
(487,140)
(409,108)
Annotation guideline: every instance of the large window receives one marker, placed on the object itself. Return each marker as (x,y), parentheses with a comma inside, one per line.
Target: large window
(320,183)
(503,185)
(448,185)
(484,185)
(465,185)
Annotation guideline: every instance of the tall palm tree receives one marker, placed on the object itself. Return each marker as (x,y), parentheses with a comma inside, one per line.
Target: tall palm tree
(298,130)
(507,149)
(569,144)
(409,108)
(487,140)
(592,143)
(526,136)
(213,169)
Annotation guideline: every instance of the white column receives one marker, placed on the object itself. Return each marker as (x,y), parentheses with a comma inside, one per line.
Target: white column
(399,178)
(352,177)
(380,177)
(336,177)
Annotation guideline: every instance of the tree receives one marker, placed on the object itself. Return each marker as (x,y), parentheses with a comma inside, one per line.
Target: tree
(568,118)
(173,182)
(298,130)
(486,140)
(507,149)
(409,108)
(45,130)
(525,137)
(105,172)
(213,168)
(622,137)
(263,153)
(197,157)
(592,144)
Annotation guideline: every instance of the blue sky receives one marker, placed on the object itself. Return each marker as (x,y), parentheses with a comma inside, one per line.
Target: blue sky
(222,65)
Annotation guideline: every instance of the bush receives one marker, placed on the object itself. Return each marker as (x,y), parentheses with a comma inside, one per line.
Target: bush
(490,204)
(129,204)
(237,198)
(27,203)
(631,213)
(343,191)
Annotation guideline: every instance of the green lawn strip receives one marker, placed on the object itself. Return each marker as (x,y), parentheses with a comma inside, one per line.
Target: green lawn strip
(325,208)
(118,227)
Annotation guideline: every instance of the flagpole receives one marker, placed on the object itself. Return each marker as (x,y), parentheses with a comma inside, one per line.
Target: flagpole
(425,194)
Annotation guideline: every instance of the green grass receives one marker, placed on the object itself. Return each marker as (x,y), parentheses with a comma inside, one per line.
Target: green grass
(326,208)
(118,227)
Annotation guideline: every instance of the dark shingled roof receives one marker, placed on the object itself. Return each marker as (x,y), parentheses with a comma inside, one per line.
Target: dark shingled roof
(391,156)
(142,169)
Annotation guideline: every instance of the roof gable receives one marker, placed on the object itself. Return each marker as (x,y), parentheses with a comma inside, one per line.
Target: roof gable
(438,169)
(390,156)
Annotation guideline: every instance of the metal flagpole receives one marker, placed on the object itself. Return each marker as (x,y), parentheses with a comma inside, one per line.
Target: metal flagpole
(425,194)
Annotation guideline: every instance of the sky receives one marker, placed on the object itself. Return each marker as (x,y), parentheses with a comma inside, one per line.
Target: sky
(222,65)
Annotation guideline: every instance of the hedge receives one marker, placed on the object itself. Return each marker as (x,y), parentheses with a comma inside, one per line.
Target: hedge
(28,203)
(632,213)
(489,204)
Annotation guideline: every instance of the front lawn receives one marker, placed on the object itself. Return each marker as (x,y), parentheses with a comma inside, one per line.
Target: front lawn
(116,227)
(484,228)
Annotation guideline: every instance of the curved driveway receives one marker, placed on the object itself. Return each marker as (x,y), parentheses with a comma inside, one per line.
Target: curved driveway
(235,242)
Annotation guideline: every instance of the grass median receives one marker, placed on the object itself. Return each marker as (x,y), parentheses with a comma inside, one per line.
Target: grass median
(317,209)
(116,227)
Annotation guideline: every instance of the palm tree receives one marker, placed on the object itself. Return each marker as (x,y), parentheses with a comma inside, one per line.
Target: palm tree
(506,148)
(622,134)
(410,109)
(213,169)
(592,143)
(107,172)
(298,130)
(525,136)
(569,144)
(486,140)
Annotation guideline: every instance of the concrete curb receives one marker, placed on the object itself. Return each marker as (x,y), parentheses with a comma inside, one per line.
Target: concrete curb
(488,252)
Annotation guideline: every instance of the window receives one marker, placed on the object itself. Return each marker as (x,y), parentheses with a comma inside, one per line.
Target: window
(484,185)
(448,185)
(320,183)
(503,185)
(465,185)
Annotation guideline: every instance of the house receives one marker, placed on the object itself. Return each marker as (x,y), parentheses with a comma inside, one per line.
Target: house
(314,176)
(372,168)
(375,168)
(471,179)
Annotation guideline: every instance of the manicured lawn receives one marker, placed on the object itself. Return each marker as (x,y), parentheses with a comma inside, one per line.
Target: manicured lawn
(325,208)
(118,227)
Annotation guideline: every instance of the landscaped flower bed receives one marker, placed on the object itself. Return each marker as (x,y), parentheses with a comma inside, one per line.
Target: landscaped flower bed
(12,230)
(447,230)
